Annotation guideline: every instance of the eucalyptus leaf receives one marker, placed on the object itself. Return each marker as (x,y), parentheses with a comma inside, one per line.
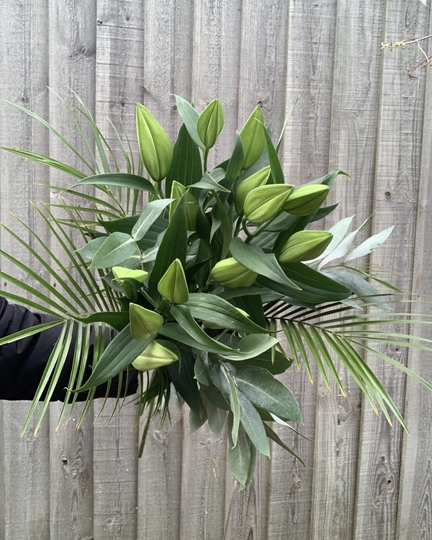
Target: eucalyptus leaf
(117,248)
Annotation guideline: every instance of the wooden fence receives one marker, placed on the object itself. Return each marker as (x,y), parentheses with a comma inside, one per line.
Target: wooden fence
(357,111)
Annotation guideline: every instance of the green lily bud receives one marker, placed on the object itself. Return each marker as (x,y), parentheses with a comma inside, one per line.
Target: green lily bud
(144,323)
(154,144)
(230,273)
(210,123)
(173,285)
(266,202)
(192,207)
(306,199)
(304,245)
(255,180)
(154,356)
(121,273)
(253,138)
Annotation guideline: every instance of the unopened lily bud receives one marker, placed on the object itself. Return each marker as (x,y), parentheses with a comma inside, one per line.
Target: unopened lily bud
(306,199)
(121,273)
(230,273)
(154,356)
(255,180)
(253,138)
(173,285)
(144,323)
(191,208)
(266,202)
(154,144)
(304,245)
(210,123)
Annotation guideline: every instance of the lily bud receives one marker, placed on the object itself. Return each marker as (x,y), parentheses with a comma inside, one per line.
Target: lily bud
(255,180)
(173,285)
(210,123)
(154,144)
(154,356)
(266,202)
(230,273)
(121,273)
(306,199)
(191,209)
(253,138)
(304,245)
(144,323)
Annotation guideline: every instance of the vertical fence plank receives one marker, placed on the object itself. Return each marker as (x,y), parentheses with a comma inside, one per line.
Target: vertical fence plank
(24,59)
(72,65)
(354,114)
(305,157)
(119,86)
(167,70)
(396,195)
(415,491)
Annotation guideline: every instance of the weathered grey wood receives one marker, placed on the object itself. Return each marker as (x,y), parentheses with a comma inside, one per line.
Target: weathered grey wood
(119,86)
(355,98)
(414,509)
(23,57)
(72,57)
(310,45)
(396,193)
(167,70)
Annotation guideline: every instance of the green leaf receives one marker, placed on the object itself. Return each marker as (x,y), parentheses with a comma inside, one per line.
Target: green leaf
(181,374)
(190,117)
(45,160)
(91,248)
(239,458)
(253,425)
(123,180)
(148,216)
(264,264)
(186,166)
(222,379)
(216,418)
(276,168)
(117,248)
(276,365)
(208,182)
(250,347)
(188,325)
(28,332)
(275,438)
(119,354)
(360,287)
(267,393)
(173,246)
(116,319)
(212,308)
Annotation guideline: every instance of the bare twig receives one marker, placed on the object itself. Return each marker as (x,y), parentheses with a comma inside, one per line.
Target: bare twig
(427,58)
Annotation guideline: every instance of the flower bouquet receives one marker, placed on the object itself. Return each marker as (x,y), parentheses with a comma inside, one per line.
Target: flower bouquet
(215,285)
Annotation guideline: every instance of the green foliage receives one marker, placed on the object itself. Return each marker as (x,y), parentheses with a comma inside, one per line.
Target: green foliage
(218,284)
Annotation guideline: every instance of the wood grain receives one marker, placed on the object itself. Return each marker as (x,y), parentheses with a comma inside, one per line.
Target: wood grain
(354,122)
(72,60)
(396,187)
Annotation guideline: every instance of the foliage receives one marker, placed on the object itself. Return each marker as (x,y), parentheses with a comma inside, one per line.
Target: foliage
(217,285)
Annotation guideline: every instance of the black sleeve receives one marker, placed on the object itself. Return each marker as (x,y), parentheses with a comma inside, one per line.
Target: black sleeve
(23,362)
